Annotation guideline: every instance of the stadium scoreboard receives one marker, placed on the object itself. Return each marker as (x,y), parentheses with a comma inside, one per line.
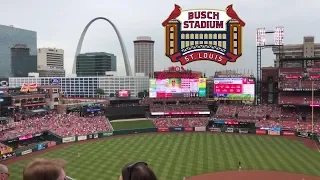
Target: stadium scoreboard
(177,87)
(234,89)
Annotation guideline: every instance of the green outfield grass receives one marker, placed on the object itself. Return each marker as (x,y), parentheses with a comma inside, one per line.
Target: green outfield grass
(120,125)
(176,155)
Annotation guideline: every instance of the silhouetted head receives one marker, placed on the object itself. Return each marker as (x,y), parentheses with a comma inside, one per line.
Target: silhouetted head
(137,171)
(44,169)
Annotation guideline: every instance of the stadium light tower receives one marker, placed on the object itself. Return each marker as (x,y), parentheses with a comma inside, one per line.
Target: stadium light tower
(312,111)
(278,41)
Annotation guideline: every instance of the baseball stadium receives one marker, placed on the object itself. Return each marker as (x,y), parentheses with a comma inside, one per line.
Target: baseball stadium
(182,127)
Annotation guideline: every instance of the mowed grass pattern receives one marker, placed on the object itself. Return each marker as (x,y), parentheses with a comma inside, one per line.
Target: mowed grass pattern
(173,156)
(121,125)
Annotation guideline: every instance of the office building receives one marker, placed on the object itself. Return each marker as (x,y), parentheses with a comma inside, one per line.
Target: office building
(21,61)
(86,86)
(51,62)
(144,55)
(16,44)
(307,49)
(95,64)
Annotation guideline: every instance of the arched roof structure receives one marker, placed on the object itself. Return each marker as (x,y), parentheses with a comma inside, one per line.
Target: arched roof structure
(123,48)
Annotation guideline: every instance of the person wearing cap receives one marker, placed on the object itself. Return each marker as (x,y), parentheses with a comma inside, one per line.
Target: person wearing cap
(4,172)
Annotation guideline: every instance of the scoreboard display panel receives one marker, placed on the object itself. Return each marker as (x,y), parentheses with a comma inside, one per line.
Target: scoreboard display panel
(177,87)
(234,89)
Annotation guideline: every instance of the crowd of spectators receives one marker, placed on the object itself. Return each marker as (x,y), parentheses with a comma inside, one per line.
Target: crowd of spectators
(298,84)
(180,122)
(61,124)
(175,99)
(284,99)
(178,107)
(178,104)
(248,111)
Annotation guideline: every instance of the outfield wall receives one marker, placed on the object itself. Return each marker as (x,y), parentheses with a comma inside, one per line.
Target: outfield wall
(51,143)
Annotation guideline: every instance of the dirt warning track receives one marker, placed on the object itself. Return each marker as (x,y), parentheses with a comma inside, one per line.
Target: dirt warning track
(253,175)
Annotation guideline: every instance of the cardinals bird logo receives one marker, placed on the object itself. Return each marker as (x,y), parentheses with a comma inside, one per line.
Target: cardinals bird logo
(203,34)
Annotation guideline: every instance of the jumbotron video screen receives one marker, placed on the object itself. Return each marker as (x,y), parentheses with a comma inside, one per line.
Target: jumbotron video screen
(177,87)
(234,89)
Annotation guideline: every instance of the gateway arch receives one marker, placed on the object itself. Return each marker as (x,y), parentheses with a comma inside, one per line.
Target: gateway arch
(123,48)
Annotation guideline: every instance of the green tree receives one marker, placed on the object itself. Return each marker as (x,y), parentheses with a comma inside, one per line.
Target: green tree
(140,94)
(63,101)
(146,93)
(100,92)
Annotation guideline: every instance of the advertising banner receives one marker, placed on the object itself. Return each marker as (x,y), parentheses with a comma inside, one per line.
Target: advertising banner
(51,144)
(4,82)
(37,134)
(68,139)
(7,150)
(8,156)
(90,136)
(95,136)
(176,129)
(188,129)
(105,134)
(40,147)
(244,131)
(304,135)
(82,138)
(273,133)
(289,133)
(26,152)
(215,129)
(163,129)
(200,129)
(260,131)
(230,130)
(179,113)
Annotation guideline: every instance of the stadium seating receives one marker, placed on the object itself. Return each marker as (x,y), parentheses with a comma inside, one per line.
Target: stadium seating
(298,84)
(267,123)
(289,83)
(62,125)
(226,111)
(247,111)
(298,100)
(180,122)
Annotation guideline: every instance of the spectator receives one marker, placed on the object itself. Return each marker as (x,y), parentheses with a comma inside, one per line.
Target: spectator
(137,171)
(44,169)
(4,172)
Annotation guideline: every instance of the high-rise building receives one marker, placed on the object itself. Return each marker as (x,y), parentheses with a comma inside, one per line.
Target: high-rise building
(51,62)
(15,45)
(95,64)
(21,61)
(144,55)
(307,49)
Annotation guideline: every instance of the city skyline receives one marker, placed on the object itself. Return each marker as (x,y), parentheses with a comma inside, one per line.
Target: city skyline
(66,31)
(144,55)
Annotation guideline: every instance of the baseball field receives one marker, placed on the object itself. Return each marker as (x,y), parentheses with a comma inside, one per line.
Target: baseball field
(175,155)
